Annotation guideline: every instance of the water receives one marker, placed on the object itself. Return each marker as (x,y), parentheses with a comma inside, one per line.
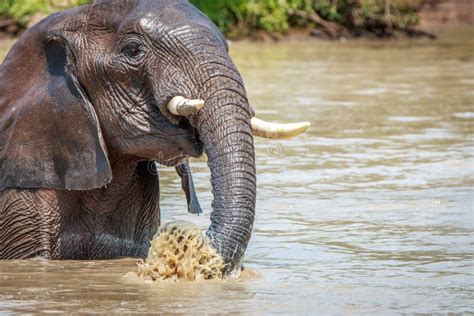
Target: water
(372,211)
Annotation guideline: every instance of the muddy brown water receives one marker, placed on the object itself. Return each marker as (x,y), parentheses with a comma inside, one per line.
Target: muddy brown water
(371,212)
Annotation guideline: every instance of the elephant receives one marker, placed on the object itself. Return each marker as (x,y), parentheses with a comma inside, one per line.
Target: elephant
(187,184)
(89,98)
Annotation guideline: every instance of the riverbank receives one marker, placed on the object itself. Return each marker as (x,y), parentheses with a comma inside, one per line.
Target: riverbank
(296,19)
(359,19)
(447,12)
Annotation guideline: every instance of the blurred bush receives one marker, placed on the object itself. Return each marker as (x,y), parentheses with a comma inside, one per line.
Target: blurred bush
(22,10)
(243,17)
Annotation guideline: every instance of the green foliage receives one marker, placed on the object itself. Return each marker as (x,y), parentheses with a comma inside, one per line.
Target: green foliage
(241,17)
(328,11)
(224,13)
(21,10)
(406,11)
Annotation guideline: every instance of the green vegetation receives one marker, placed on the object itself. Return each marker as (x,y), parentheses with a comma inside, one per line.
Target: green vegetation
(335,17)
(237,18)
(22,10)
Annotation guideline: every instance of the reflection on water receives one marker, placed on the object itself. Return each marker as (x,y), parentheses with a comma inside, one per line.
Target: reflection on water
(370,212)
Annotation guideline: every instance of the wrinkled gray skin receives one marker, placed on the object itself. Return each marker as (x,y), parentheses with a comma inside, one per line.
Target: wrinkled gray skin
(83,111)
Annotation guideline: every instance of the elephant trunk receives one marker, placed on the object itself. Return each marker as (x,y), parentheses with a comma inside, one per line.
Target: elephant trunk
(225,129)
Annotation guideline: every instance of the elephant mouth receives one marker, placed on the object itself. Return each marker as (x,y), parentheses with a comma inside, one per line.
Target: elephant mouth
(193,149)
(187,143)
(175,161)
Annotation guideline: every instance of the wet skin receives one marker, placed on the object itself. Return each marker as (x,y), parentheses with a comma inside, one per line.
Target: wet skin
(83,113)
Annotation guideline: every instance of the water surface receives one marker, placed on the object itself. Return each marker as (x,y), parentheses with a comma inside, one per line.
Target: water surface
(372,211)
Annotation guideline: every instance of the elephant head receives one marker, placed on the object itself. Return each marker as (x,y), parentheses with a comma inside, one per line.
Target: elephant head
(150,79)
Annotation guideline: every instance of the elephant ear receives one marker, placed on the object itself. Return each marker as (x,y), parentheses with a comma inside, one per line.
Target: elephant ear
(49,132)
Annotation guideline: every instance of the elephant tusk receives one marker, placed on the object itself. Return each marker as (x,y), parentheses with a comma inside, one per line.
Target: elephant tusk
(275,131)
(184,107)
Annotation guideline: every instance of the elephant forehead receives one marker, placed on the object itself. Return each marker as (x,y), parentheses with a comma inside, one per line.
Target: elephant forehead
(152,15)
(147,23)
(169,12)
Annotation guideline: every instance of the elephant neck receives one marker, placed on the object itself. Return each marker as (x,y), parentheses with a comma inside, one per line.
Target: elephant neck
(132,183)
(120,218)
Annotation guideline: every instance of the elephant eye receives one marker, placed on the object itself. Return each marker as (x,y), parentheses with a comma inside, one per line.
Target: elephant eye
(133,50)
